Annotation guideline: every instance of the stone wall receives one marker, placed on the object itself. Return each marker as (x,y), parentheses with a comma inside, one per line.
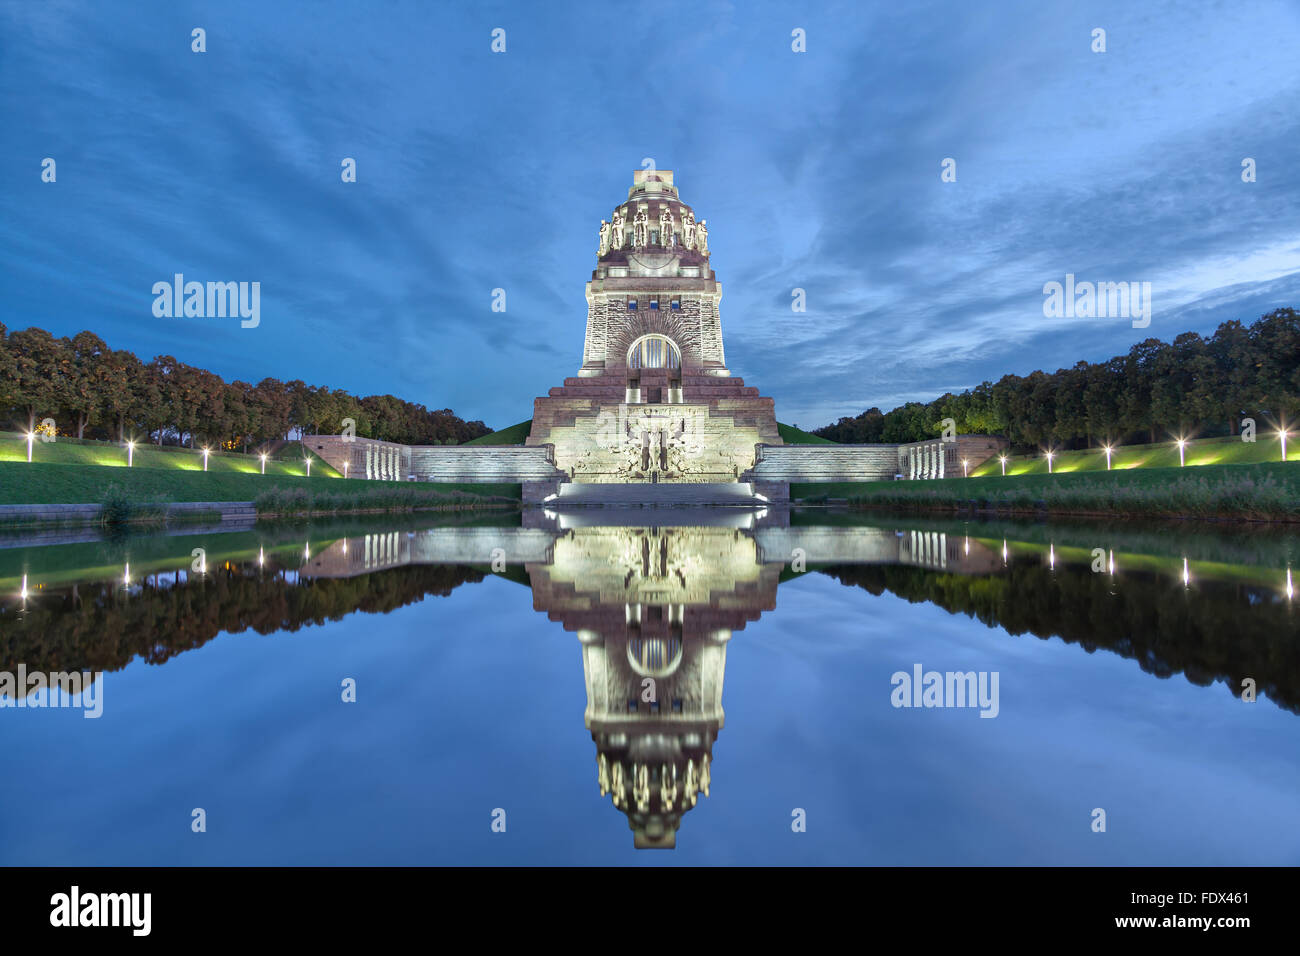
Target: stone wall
(483,463)
(387,461)
(858,545)
(916,460)
(362,457)
(725,435)
(943,459)
(825,463)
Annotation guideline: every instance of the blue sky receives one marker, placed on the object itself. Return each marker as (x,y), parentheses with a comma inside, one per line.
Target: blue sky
(817,170)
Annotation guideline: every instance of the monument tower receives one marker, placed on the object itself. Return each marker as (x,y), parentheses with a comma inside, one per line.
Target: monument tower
(653,400)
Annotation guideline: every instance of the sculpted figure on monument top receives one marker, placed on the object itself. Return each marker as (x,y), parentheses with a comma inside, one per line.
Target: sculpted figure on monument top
(665,227)
(640,230)
(703,233)
(617,229)
(604,237)
(688,230)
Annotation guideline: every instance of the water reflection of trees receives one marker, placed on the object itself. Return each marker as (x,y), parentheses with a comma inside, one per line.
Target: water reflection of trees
(1217,629)
(101,626)
(1212,630)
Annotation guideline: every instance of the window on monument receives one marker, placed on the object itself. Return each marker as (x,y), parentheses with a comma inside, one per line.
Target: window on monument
(677,303)
(654,656)
(654,237)
(654,351)
(631,305)
(654,303)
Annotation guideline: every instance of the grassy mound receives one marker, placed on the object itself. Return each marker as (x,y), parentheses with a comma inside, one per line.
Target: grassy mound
(514,435)
(797,436)
(1209,451)
(288,461)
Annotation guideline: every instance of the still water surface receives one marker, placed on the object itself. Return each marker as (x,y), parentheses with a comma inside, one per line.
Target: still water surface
(506,674)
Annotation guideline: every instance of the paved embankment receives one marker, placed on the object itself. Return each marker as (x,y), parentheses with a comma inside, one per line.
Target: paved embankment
(78,514)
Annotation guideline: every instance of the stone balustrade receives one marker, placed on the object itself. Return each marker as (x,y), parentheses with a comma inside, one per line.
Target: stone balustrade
(387,461)
(915,460)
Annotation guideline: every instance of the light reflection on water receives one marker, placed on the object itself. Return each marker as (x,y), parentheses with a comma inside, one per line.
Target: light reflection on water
(732,676)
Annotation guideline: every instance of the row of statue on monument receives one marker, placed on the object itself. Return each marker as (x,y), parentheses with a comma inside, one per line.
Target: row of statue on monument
(613,235)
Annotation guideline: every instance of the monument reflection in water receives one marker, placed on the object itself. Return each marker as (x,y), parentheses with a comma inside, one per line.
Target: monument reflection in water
(653,608)
(653,598)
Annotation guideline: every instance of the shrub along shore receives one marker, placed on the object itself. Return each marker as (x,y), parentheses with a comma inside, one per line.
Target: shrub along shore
(1260,492)
(284,502)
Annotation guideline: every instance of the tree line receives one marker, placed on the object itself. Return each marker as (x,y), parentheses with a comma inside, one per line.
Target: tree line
(1192,386)
(93,391)
(91,626)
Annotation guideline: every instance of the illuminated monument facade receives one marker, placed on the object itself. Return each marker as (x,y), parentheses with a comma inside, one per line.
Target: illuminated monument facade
(653,401)
(654,609)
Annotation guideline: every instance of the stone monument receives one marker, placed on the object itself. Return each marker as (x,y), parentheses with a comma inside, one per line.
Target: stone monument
(654,400)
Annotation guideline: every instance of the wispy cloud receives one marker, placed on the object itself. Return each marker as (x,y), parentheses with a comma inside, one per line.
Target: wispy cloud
(477,171)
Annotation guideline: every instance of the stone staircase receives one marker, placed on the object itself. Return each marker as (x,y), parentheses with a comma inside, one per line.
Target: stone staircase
(729,399)
(661,495)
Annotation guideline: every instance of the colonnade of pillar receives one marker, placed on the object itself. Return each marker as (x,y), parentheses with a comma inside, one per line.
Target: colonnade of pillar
(924,460)
(383,463)
(384,550)
(928,549)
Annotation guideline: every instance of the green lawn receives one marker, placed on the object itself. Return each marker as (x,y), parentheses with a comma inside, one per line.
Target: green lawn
(288,461)
(1266,491)
(514,435)
(797,436)
(42,483)
(1210,451)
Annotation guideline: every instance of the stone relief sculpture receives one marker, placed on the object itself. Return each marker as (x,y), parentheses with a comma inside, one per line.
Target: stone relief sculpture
(688,230)
(642,443)
(703,236)
(604,237)
(617,230)
(665,227)
(640,230)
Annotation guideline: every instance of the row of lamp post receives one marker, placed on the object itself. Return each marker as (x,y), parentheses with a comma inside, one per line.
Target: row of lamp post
(130,456)
(1110,450)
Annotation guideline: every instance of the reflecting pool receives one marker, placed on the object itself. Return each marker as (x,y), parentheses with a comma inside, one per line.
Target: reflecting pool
(653,686)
